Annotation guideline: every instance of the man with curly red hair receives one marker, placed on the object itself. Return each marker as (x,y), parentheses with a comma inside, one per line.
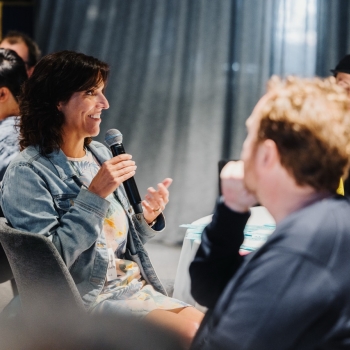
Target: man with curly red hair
(293,292)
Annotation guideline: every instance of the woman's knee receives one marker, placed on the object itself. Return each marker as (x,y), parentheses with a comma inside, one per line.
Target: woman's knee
(184,326)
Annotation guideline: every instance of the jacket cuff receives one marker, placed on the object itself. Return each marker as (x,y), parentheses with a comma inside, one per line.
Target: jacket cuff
(159,225)
(142,226)
(92,202)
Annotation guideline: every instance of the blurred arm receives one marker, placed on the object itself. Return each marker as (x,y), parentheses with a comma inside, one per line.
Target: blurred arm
(218,257)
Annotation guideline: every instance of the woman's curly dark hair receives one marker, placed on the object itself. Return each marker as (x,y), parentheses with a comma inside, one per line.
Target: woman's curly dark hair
(55,79)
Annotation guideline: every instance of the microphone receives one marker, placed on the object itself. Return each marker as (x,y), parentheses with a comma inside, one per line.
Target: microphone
(114,139)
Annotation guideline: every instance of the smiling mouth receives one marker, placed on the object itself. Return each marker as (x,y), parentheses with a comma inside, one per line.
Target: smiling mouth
(94,116)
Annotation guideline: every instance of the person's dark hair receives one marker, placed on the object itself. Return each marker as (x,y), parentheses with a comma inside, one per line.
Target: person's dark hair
(15,37)
(12,71)
(55,79)
(343,66)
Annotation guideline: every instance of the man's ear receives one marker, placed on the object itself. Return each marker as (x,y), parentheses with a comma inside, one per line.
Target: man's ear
(4,94)
(268,154)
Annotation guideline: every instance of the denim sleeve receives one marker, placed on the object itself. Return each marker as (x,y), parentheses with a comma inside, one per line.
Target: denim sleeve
(28,205)
(144,231)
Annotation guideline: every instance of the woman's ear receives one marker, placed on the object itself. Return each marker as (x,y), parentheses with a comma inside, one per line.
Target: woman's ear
(59,106)
(4,94)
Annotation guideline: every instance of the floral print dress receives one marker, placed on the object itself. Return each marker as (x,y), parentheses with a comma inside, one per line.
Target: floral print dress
(125,290)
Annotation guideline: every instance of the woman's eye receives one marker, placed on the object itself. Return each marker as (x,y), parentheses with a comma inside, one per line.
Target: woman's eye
(90,92)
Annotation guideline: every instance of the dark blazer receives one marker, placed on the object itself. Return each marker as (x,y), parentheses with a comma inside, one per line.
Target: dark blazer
(292,293)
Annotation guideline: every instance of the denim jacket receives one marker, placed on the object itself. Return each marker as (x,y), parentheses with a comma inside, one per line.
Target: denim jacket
(43,195)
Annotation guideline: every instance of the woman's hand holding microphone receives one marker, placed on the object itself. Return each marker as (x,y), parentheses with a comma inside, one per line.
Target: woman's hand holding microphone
(115,171)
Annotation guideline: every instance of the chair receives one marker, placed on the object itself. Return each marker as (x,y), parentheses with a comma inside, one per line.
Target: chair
(41,275)
(5,268)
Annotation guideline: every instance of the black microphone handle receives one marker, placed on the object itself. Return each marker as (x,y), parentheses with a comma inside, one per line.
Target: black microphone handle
(130,185)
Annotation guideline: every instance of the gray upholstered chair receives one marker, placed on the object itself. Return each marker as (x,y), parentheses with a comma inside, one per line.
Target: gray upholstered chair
(40,273)
(5,269)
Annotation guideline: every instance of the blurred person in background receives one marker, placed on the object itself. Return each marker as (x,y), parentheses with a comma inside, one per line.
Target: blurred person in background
(69,188)
(25,47)
(342,75)
(293,292)
(12,75)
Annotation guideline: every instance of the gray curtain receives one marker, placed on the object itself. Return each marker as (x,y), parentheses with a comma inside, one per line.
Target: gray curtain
(270,37)
(166,91)
(185,75)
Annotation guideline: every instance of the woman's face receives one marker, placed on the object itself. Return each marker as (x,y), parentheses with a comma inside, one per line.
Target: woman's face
(82,113)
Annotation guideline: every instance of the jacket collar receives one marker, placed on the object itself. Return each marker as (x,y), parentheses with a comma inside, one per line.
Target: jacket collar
(64,169)
(100,156)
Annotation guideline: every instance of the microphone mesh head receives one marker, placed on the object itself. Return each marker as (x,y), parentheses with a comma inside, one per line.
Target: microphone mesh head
(113,136)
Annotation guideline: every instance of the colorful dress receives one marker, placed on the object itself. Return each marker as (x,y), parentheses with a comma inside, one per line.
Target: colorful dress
(125,289)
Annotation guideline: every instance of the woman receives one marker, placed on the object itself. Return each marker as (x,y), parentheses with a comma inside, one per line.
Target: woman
(69,188)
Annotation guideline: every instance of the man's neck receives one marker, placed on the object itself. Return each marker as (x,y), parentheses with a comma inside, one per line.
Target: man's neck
(283,196)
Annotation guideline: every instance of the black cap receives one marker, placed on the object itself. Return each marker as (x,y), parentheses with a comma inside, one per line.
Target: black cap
(343,66)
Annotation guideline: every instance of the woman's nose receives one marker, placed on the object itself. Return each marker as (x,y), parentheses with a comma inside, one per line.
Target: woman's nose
(104,102)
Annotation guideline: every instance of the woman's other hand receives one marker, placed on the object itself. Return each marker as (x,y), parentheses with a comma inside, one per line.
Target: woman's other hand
(112,173)
(156,200)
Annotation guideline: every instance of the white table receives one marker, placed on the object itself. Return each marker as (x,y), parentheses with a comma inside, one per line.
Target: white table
(259,226)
